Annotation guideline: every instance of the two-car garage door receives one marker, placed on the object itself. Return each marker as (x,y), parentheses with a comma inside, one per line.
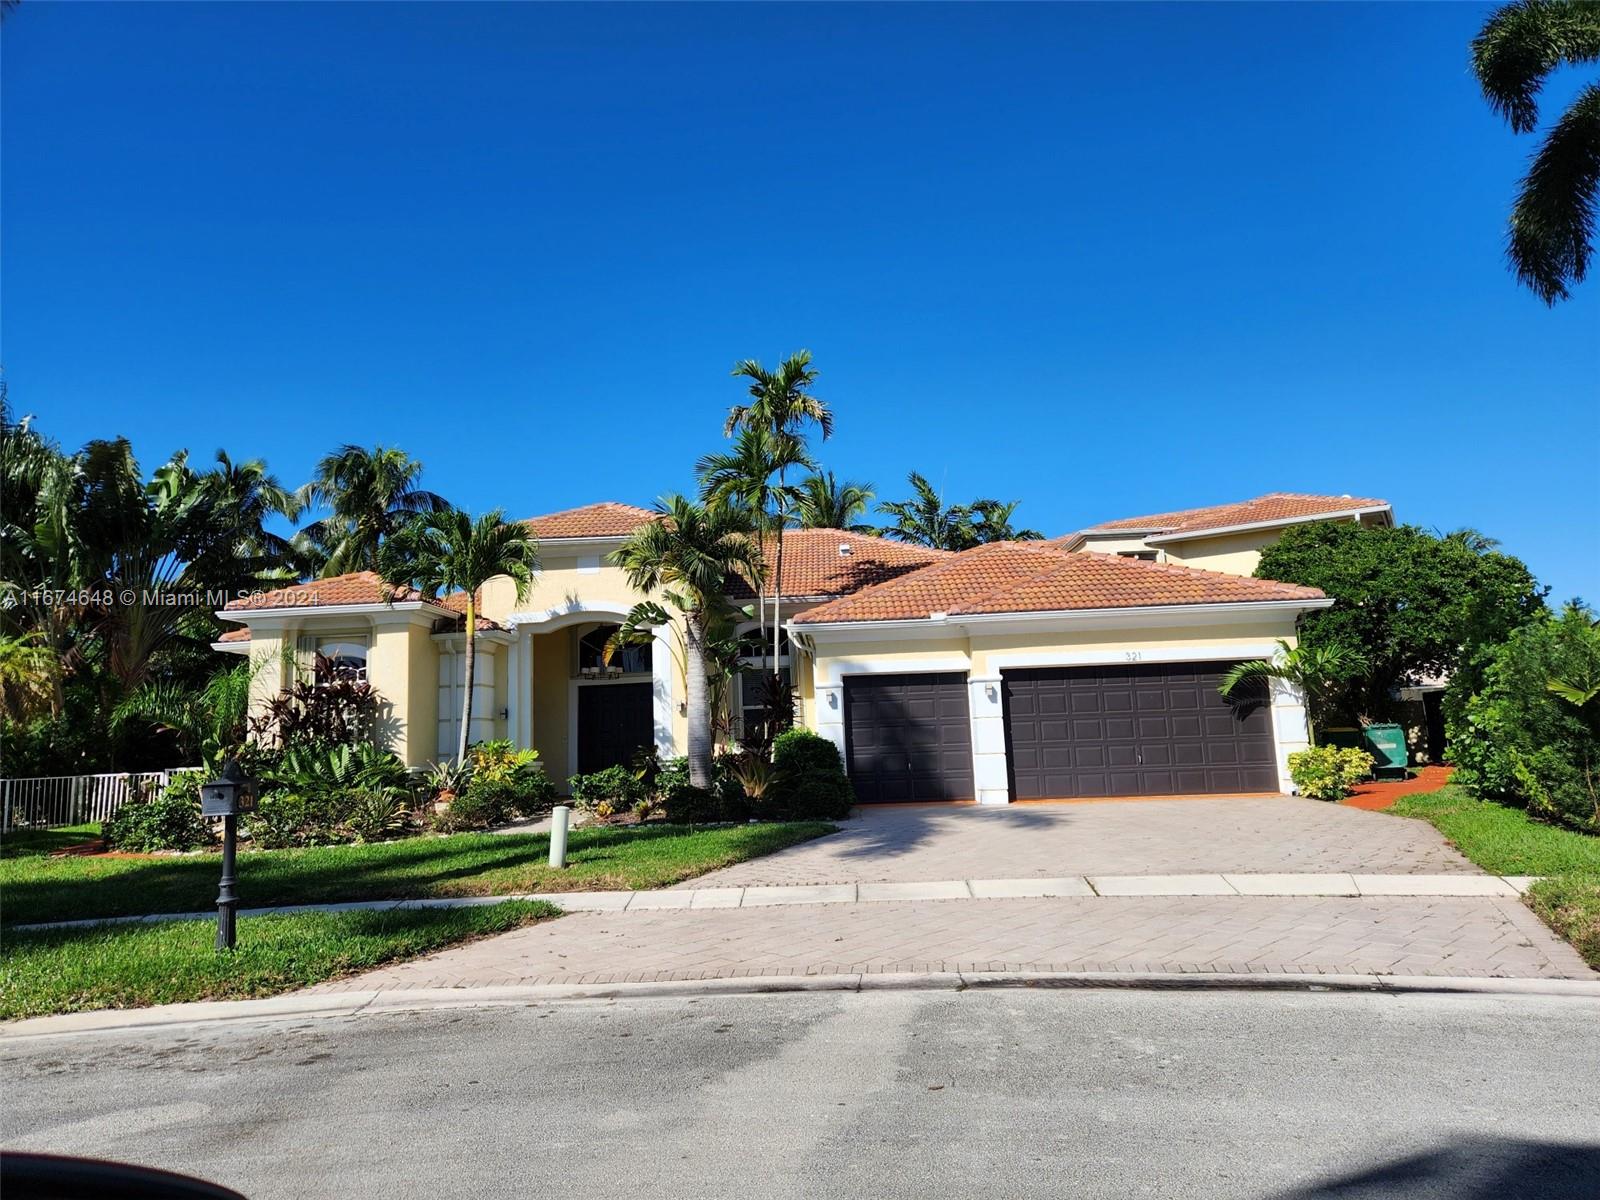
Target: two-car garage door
(1134,730)
(1156,729)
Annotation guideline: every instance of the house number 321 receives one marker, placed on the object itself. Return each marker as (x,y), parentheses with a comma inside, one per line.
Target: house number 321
(1133,655)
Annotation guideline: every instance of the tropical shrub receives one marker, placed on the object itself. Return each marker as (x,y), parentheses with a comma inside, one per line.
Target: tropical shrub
(313,795)
(337,712)
(1526,734)
(504,782)
(281,820)
(170,821)
(809,781)
(616,787)
(375,816)
(685,804)
(1329,772)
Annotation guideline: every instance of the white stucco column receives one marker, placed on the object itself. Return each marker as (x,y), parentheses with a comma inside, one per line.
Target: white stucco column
(830,713)
(663,692)
(1290,727)
(987,714)
(514,669)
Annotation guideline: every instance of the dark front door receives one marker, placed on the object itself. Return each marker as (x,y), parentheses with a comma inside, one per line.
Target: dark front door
(615,721)
(1157,729)
(908,737)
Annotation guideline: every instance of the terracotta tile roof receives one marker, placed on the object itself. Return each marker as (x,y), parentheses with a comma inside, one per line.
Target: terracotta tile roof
(1027,577)
(1274,506)
(358,587)
(606,519)
(813,565)
(456,602)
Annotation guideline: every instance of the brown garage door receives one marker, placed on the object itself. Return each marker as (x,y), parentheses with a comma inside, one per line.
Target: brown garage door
(907,737)
(1155,729)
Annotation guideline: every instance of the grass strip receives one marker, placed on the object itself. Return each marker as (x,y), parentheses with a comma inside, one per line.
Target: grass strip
(133,966)
(35,889)
(1500,839)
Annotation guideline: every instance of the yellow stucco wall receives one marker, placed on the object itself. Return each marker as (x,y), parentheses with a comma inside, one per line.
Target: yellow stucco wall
(1232,554)
(1127,641)
(552,675)
(559,584)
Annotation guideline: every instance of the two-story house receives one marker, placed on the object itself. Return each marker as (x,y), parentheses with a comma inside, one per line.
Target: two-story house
(1085,665)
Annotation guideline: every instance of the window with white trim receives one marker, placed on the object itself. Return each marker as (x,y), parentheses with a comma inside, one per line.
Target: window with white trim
(341,658)
(1141,555)
(755,658)
(631,659)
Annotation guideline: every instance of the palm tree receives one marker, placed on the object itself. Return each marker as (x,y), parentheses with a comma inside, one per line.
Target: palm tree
(371,495)
(1314,670)
(449,551)
(692,551)
(991,522)
(1552,221)
(210,721)
(925,521)
(826,503)
(745,477)
(30,676)
(782,405)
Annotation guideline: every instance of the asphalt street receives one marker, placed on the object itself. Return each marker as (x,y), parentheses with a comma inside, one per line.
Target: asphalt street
(1003,1093)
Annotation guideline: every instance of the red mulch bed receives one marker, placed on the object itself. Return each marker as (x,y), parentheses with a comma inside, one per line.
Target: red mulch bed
(1374,796)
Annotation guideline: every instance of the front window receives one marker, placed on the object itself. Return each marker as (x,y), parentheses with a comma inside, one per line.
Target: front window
(341,659)
(632,659)
(755,659)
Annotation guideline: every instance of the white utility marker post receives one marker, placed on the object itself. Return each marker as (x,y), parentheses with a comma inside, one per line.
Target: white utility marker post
(558,835)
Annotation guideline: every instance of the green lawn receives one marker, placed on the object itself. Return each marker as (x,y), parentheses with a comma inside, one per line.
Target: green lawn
(1506,841)
(476,864)
(130,966)
(1503,840)
(21,843)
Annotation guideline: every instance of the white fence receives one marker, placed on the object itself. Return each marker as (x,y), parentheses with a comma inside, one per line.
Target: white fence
(54,800)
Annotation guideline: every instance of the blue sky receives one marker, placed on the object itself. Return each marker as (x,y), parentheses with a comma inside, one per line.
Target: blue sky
(1106,260)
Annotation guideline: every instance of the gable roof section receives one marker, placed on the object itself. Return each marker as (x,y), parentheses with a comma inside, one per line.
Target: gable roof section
(1035,577)
(1274,507)
(814,566)
(356,587)
(605,519)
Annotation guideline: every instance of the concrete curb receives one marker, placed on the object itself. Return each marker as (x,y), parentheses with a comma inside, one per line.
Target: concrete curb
(1070,887)
(350,1004)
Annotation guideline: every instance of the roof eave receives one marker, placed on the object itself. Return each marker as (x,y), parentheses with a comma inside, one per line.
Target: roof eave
(1152,614)
(1276,523)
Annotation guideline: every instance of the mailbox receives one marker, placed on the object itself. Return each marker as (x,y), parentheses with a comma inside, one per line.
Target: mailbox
(230,794)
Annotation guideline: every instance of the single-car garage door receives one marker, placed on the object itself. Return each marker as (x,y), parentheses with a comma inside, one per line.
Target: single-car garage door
(907,737)
(1154,729)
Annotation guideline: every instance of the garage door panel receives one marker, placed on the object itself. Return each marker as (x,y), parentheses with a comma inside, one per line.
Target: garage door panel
(908,738)
(1153,729)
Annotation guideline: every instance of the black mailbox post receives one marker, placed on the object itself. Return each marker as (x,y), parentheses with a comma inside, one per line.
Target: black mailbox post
(226,796)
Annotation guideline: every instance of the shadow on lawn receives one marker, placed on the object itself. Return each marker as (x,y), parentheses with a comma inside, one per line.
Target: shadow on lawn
(390,870)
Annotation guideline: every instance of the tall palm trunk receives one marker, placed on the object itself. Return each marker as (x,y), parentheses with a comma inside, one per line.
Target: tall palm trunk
(470,665)
(697,697)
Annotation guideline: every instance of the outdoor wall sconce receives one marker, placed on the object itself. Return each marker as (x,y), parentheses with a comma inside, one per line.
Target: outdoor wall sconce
(833,699)
(992,692)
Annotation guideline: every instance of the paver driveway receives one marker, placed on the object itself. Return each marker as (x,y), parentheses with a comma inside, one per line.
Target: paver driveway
(1230,835)
(1246,934)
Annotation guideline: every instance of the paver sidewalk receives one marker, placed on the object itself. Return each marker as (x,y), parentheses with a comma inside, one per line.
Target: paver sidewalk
(1479,938)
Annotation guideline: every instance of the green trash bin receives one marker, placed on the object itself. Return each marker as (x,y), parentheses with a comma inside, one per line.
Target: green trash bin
(1387,744)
